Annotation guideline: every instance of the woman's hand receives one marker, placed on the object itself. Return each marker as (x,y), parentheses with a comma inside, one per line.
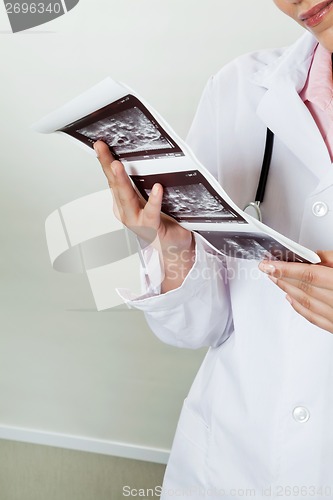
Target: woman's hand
(145,219)
(309,287)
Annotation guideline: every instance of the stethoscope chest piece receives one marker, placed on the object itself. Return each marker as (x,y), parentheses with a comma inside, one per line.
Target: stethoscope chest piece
(253,209)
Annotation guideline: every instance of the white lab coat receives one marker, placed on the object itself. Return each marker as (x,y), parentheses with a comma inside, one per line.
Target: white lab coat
(258,420)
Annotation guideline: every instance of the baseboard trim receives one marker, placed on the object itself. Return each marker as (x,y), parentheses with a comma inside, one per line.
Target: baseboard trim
(81,443)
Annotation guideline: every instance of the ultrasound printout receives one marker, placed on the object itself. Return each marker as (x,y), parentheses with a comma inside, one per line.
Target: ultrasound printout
(188,197)
(128,128)
(250,246)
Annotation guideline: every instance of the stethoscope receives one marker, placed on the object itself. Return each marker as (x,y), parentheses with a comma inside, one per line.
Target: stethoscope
(253,208)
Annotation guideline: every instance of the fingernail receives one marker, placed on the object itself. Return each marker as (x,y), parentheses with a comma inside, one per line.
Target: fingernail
(155,189)
(96,149)
(266,268)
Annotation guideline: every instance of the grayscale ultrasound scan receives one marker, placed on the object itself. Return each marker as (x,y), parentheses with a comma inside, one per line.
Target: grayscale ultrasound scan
(128,128)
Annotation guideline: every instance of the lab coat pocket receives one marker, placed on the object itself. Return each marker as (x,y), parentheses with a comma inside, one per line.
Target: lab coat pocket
(187,468)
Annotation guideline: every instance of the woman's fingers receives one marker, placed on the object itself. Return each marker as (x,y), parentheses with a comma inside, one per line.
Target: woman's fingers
(310,275)
(326,257)
(126,199)
(116,210)
(125,194)
(129,208)
(152,209)
(305,289)
(317,300)
(105,158)
(309,287)
(322,318)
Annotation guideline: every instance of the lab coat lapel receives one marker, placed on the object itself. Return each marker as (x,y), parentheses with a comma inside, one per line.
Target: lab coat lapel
(283,111)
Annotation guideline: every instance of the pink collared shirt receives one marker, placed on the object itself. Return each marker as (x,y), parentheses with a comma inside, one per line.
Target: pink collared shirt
(317,94)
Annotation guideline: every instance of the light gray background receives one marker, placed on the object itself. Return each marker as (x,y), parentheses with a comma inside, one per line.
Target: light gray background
(65,368)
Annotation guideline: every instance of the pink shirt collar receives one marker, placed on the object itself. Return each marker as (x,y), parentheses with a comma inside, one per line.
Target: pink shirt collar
(317,95)
(319,86)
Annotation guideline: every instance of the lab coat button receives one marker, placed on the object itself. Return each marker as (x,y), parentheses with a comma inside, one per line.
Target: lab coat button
(319,209)
(301,414)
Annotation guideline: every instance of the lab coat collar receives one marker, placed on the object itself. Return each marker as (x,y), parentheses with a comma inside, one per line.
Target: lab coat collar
(283,111)
(293,63)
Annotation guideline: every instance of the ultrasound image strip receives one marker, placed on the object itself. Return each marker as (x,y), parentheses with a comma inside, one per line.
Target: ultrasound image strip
(188,197)
(128,128)
(250,246)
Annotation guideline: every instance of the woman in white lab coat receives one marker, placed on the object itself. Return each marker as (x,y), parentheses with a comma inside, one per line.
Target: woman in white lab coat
(258,419)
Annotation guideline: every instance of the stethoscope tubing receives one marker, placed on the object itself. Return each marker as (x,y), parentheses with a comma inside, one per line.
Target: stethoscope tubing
(254,206)
(266,163)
